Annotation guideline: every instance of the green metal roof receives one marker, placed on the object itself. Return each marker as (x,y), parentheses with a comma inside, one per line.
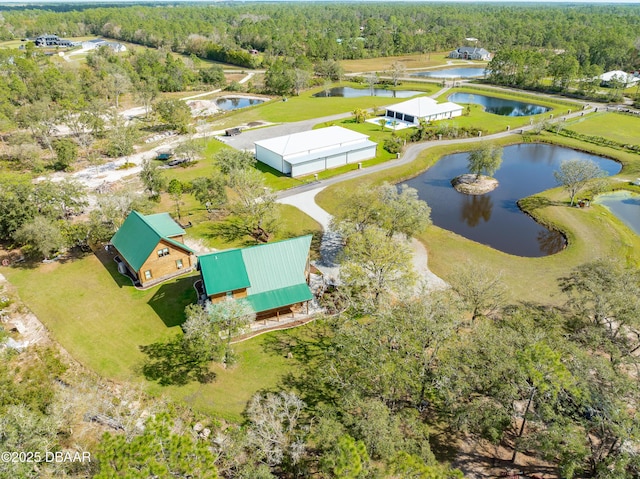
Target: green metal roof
(223,271)
(164,225)
(279,297)
(273,273)
(139,235)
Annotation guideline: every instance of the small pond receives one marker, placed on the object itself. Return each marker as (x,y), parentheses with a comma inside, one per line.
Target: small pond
(349,92)
(462,72)
(233,103)
(494,218)
(625,205)
(499,106)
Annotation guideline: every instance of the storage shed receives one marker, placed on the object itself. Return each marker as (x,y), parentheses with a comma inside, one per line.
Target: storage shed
(304,153)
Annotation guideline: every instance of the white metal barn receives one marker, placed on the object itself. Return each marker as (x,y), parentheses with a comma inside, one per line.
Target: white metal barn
(304,153)
(423,108)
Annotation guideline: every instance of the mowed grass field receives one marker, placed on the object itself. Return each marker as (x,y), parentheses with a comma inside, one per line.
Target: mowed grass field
(102,321)
(418,60)
(616,126)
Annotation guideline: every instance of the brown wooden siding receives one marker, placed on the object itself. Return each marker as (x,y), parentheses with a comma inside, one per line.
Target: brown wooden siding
(165,266)
(238,293)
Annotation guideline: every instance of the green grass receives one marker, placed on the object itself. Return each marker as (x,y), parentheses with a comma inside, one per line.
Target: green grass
(306,106)
(616,126)
(419,60)
(101,320)
(591,232)
(492,123)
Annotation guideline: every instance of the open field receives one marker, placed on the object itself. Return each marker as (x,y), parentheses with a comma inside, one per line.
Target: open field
(418,60)
(616,126)
(591,232)
(306,106)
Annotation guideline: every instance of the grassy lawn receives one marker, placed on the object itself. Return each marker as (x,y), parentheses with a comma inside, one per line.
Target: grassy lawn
(409,61)
(592,232)
(306,106)
(616,126)
(101,320)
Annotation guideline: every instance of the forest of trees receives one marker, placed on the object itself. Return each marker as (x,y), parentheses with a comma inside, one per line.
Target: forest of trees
(603,35)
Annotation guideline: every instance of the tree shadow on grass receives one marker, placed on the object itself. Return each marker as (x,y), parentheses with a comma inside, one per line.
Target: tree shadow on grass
(230,230)
(172,297)
(308,350)
(173,363)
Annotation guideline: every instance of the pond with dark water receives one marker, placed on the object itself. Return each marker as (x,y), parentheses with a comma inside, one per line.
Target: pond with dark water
(499,106)
(463,72)
(349,92)
(625,205)
(494,219)
(234,103)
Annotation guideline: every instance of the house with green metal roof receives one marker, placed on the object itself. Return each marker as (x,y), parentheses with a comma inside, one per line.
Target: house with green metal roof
(272,277)
(151,248)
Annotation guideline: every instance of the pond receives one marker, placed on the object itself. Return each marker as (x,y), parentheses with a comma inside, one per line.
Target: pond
(349,92)
(462,72)
(499,106)
(625,205)
(233,103)
(494,219)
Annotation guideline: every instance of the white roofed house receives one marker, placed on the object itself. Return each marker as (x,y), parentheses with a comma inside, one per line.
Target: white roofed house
(470,53)
(422,108)
(308,152)
(625,79)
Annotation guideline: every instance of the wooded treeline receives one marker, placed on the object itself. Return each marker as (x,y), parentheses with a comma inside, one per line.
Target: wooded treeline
(605,35)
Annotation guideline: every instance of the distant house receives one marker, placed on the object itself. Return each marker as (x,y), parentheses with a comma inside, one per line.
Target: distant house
(271,277)
(422,108)
(470,53)
(625,79)
(151,248)
(316,150)
(101,42)
(51,41)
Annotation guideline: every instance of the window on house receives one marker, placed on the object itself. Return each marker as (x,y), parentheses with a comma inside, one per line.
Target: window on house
(229,294)
(163,252)
(179,264)
(147,274)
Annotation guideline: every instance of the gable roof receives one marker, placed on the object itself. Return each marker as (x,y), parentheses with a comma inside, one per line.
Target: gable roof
(273,273)
(307,141)
(139,235)
(471,50)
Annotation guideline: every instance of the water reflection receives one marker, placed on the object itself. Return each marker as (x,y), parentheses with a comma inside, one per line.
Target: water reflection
(234,103)
(550,241)
(474,208)
(468,72)
(494,218)
(499,106)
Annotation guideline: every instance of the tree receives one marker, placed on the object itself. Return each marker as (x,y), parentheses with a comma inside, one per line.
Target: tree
(120,138)
(275,428)
(41,235)
(573,175)
(398,70)
(230,160)
(280,78)
(481,291)
(402,210)
(371,79)
(189,149)
(254,207)
(351,458)
(210,192)
(152,178)
(158,451)
(176,114)
(59,200)
(360,115)
(374,266)
(66,153)
(300,80)
(175,190)
(486,159)
(329,69)
(117,82)
(16,205)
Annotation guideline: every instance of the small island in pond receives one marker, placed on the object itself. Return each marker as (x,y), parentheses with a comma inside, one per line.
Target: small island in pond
(483,162)
(470,184)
